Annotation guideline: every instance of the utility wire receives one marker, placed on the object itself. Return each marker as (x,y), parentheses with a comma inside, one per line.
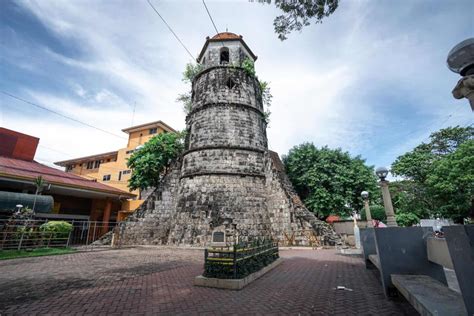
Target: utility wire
(212,20)
(210,17)
(60,114)
(171,30)
(70,118)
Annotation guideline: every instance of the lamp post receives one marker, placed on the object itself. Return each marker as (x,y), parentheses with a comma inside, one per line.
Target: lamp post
(19,206)
(382,173)
(365,197)
(461,61)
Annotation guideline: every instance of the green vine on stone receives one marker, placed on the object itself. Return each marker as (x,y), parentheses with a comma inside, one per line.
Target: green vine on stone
(249,67)
(266,99)
(186,100)
(190,72)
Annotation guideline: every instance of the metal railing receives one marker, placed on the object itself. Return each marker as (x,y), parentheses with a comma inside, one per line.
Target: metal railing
(27,234)
(239,261)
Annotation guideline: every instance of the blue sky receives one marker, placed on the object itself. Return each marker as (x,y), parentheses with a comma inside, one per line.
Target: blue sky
(372,79)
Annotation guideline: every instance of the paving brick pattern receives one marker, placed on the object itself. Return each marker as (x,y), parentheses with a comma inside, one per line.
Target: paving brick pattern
(150,281)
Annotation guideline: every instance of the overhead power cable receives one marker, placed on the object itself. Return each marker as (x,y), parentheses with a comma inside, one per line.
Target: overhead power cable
(210,17)
(212,20)
(60,114)
(171,30)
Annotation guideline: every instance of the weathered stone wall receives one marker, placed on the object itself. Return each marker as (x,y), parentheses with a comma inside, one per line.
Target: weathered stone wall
(231,203)
(228,180)
(223,161)
(212,87)
(226,125)
(151,223)
(185,210)
(292,222)
(237,53)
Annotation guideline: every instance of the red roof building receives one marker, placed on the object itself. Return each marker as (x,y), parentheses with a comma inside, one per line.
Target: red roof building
(74,197)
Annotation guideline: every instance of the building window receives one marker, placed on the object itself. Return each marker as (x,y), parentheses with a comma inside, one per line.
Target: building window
(69,168)
(97,164)
(120,175)
(129,151)
(106,177)
(230,83)
(224,55)
(126,171)
(90,165)
(153,130)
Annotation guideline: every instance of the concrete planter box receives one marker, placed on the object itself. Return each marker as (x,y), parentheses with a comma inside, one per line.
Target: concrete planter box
(234,284)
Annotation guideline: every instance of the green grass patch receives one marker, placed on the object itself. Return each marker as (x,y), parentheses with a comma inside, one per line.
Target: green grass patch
(13,254)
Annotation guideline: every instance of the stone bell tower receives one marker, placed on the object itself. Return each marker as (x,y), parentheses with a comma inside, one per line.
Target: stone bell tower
(226,181)
(223,170)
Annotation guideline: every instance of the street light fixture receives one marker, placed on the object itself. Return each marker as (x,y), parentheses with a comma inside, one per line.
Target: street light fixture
(461,61)
(368,215)
(19,206)
(382,173)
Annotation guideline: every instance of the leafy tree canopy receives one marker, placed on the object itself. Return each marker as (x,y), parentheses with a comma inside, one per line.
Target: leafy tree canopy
(151,162)
(437,176)
(300,13)
(417,163)
(329,180)
(451,181)
(406,219)
(411,197)
(376,212)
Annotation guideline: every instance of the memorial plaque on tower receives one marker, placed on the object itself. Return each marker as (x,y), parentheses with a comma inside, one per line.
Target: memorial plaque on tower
(218,238)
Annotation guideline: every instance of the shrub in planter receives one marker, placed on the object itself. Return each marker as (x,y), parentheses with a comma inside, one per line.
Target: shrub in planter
(60,229)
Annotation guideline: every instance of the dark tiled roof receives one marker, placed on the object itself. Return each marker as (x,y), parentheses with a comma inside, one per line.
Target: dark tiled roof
(20,169)
(64,163)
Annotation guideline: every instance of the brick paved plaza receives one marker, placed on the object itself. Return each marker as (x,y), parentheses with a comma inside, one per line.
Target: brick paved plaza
(150,281)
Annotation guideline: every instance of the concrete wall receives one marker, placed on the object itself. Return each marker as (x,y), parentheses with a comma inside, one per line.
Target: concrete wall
(347,227)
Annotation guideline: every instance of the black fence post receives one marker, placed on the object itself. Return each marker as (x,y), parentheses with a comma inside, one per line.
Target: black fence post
(235,262)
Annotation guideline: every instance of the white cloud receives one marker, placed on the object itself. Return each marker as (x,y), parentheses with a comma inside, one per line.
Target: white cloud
(357,81)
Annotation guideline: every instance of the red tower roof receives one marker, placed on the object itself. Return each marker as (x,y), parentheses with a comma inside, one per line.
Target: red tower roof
(226,36)
(222,37)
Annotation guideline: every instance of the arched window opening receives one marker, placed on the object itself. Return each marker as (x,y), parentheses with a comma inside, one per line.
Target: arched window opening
(224,56)
(230,83)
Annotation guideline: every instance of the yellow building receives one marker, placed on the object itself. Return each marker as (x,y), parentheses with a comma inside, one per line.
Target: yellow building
(111,168)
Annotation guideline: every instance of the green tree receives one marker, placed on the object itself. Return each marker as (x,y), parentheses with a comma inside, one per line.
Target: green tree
(152,161)
(451,181)
(190,72)
(417,164)
(329,181)
(409,196)
(406,219)
(376,211)
(419,194)
(249,67)
(300,13)
(39,184)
